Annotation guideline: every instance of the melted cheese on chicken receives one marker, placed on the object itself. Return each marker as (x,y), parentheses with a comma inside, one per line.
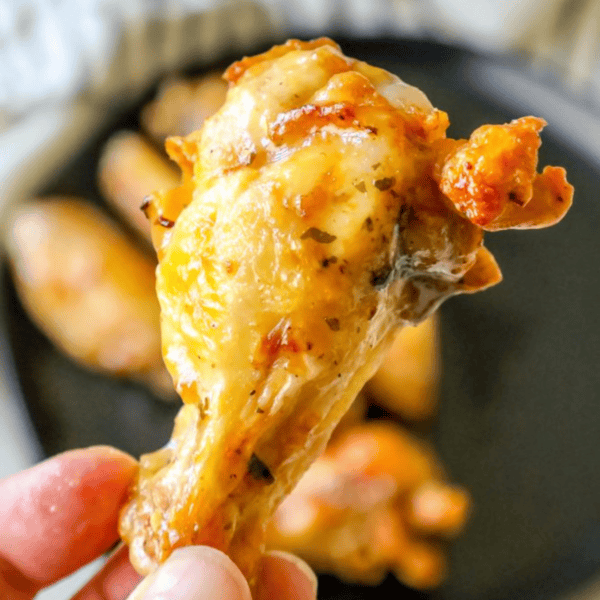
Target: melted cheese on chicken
(317,213)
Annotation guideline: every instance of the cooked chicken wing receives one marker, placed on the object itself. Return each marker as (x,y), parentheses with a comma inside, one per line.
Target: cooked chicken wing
(88,288)
(316,215)
(407,380)
(372,504)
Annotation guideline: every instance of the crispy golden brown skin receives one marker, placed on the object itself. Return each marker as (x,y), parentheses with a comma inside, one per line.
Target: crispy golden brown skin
(492,179)
(310,224)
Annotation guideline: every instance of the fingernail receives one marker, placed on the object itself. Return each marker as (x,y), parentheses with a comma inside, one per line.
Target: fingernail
(194,573)
(285,576)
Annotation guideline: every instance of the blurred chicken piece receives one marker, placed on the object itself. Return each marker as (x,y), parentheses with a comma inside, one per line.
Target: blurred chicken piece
(375,501)
(130,169)
(406,383)
(309,226)
(88,288)
(182,105)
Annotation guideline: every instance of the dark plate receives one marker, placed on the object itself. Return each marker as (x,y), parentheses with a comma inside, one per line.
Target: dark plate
(519,424)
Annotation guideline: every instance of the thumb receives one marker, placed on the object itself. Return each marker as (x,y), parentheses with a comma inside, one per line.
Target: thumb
(194,573)
(284,576)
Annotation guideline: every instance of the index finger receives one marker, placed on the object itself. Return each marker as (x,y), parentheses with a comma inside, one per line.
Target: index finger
(63,513)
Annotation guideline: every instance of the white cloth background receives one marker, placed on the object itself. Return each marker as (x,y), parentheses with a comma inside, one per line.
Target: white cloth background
(53,49)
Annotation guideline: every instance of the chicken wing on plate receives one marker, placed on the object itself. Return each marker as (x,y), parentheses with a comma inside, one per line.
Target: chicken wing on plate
(375,501)
(321,207)
(89,288)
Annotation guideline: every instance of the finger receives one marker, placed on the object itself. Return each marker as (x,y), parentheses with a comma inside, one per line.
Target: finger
(14,585)
(284,576)
(194,572)
(62,513)
(115,581)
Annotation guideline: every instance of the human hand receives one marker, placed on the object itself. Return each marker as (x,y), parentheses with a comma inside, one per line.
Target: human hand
(203,572)
(63,513)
